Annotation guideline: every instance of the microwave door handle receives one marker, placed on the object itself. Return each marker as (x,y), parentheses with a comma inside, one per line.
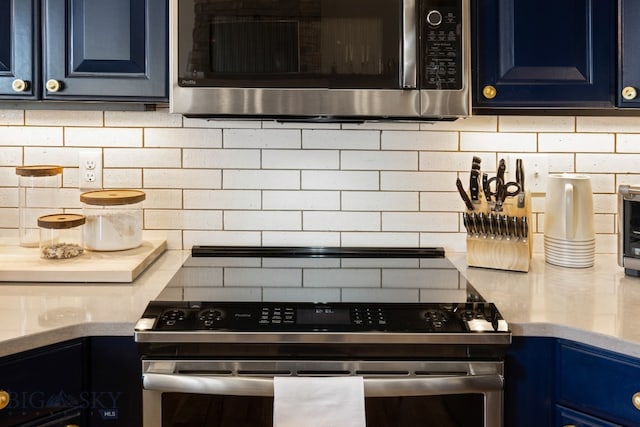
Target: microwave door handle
(373,387)
(409,44)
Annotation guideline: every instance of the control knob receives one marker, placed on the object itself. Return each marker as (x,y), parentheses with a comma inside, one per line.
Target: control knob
(434,17)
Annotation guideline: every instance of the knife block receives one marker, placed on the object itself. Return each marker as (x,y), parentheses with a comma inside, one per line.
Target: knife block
(495,247)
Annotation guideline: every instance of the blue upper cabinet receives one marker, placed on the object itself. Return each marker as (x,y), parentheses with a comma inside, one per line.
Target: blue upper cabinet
(544,53)
(84,50)
(99,49)
(629,67)
(19,35)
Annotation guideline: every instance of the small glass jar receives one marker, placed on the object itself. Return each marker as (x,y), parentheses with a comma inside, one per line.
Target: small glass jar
(114,219)
(38,189)
(61,236)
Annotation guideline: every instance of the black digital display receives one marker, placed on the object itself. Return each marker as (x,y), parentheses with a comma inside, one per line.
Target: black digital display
(323,315)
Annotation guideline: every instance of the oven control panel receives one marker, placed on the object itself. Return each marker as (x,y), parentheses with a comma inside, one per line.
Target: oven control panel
(338,317)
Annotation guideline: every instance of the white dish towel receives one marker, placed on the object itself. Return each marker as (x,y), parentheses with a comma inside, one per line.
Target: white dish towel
(318,402)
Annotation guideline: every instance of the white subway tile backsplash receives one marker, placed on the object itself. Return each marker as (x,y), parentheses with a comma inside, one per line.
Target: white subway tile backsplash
(508,142)
(298,159)
(572,142)
(300,238)
(142,157)
(122,178)
(261,179)
(63,118)
(161,118)
(182,178)
(183,137)
(340,180)
(341,221)
(419,221)
(608,124)
(30,136)
(11,156)
(223,294)
(233,182)
(222,199)
(335,139)
(219,159)
(536,124)
(418,181)
(222,238)
(12,117)
(423,141)
(102,137)
(608,163)
(262,220)
(379,201)
(301,200)
(379,160)
(8,177)
(380,239)
(262,138)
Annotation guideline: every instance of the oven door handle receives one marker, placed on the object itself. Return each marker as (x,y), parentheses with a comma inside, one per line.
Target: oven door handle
(373,387)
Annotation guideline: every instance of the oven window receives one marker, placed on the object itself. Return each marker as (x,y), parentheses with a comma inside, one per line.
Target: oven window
(195,410)
(292,43)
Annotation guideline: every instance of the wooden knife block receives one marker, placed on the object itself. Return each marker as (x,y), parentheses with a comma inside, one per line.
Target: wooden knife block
(490,251)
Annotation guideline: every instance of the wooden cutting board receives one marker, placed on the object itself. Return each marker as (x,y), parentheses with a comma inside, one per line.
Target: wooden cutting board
(18,264)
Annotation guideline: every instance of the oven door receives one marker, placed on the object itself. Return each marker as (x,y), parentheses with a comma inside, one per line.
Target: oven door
(398,393)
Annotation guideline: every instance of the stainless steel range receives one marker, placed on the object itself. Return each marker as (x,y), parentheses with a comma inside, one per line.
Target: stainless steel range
(423,362)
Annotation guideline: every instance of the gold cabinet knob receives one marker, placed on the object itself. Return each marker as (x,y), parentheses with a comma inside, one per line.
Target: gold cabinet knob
(72,425)
(489,92)
(19,85)
(629,93)
(54,85)
(4,399)
(635,399)
(569,425)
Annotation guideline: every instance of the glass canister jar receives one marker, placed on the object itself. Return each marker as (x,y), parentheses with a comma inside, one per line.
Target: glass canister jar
(114,219)
(38,188)
(61,236)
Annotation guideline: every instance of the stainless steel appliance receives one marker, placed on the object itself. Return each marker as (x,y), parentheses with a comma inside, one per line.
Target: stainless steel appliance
(629,229)
(423,363)
(320,59)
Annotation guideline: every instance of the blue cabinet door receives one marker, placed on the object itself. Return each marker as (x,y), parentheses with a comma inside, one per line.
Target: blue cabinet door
(629,66)
(19,34)
(105,50)
(544,53)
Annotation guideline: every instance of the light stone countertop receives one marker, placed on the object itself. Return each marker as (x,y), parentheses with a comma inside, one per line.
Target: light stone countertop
(599,306)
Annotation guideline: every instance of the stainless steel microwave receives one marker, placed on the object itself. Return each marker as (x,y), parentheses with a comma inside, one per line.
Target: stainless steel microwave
(320,59)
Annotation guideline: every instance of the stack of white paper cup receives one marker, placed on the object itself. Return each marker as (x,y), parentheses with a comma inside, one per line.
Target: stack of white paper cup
(569,235)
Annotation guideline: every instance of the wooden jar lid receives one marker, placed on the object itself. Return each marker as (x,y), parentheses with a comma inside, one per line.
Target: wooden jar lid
(61,221)
(112,197)
(39,170)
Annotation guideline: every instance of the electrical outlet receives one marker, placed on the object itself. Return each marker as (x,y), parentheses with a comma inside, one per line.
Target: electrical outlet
(536,170)
(90,169)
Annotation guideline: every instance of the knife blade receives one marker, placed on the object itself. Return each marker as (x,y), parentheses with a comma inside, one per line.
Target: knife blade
(520,181)
(463,194)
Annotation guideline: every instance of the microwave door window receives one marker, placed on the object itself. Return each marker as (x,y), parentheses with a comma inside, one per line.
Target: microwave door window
(295,43)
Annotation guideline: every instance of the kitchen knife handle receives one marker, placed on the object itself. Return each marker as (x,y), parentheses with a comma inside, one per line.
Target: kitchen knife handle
(464,195)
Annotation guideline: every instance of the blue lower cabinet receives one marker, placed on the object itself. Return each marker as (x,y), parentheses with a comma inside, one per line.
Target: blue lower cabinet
(598,382)
(566,417)
(45,387)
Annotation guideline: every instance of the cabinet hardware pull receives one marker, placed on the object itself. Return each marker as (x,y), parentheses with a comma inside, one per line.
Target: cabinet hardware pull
(635,399)
(54,85)
(4,399)
(19,85)
(569,425)
(489,92)
(629,93)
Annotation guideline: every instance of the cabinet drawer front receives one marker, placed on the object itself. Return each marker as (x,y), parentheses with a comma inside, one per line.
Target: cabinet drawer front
(598,382)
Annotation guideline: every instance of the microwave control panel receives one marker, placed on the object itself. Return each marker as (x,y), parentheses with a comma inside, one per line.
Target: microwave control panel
(441,34)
